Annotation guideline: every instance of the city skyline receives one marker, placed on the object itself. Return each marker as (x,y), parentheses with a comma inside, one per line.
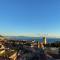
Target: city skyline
(28,17)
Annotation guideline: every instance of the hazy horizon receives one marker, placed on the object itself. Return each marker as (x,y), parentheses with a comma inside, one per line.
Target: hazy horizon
(35,35)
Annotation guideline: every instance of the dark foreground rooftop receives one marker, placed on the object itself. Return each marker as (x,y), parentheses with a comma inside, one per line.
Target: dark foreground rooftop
(4,58)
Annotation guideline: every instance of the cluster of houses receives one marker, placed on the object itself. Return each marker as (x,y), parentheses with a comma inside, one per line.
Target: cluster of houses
(6,53)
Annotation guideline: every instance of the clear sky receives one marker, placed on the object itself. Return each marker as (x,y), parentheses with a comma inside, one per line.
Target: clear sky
(29,16)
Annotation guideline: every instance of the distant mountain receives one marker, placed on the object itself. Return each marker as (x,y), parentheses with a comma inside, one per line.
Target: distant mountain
(1,36)
(31,38)
(22,38)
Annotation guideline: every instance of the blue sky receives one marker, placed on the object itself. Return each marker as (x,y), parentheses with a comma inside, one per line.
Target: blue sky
(29,16)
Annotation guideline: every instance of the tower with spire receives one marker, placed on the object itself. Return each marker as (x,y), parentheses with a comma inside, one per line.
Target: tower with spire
(44,40)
